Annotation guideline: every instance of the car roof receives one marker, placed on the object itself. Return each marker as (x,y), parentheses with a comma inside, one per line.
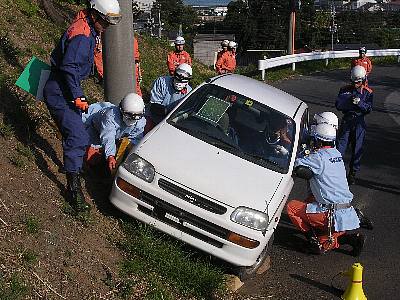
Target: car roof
(260,92)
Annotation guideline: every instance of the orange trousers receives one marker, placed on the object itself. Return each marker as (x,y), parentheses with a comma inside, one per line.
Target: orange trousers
(296,210)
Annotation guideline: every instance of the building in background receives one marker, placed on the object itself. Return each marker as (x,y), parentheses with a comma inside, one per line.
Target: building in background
(145,5)
(363,5)
(206,46)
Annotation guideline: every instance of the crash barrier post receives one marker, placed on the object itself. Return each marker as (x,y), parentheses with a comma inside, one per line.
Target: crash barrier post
(354,290)
(265,64)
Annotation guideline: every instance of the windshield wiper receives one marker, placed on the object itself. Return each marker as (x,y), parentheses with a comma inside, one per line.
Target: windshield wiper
(259,157)
(222,143)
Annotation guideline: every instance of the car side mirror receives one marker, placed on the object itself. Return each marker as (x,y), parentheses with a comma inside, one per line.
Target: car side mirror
(303,172)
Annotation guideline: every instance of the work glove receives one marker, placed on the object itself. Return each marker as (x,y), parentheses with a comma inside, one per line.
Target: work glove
(356,100)
(111,162)
(280,150)
(81,104)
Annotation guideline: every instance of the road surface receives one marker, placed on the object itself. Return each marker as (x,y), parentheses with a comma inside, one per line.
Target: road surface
(297,275)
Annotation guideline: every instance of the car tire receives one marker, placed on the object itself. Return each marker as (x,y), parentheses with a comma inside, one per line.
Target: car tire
(261,265)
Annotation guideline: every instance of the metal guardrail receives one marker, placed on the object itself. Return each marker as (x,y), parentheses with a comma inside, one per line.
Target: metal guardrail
(265,64)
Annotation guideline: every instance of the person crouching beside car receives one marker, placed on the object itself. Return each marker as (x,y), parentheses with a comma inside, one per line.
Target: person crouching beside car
(328,216)
(167,92)
(107,123)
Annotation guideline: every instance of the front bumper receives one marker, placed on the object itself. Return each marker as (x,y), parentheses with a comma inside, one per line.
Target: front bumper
(185,221)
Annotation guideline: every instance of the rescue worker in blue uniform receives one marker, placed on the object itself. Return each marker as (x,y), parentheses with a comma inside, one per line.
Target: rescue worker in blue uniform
(71,62)
(354,101)
(107,123)
(326,218)
(166,93)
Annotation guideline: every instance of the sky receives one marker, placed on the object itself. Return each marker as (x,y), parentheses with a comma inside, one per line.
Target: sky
(207,2)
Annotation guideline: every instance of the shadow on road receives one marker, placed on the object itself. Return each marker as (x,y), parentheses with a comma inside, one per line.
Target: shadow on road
(324,287)
(288,237)
(387,188)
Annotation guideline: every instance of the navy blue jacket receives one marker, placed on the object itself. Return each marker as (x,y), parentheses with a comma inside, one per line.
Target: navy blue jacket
(72,59)
(347,94)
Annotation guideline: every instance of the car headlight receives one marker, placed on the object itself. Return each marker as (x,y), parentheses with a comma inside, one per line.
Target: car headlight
(139,167)
(250,218)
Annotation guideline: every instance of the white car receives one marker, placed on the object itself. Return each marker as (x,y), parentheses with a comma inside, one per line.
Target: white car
(216,173)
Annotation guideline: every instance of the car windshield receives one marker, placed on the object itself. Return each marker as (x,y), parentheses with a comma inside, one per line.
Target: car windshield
(239,125)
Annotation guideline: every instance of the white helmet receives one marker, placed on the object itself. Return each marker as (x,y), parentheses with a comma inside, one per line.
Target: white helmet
(132,108)
(109,10)
(183,72)
(327,117)
(325,132)
(358,74)
(179,40)
(225,43)
(232,44)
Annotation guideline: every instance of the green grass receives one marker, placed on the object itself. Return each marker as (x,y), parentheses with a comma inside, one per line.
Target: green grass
(157,291)
(153,55)
(25,151)
(27,7)
(22,156)
(29,257)
(6,130)
(32,224)
(14,289)
(18,160)
(167,265)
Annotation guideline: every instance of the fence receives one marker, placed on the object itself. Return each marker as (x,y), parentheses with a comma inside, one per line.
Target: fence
(295,58)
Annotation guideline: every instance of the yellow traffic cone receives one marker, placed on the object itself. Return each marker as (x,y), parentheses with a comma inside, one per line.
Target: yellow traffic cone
(354,290)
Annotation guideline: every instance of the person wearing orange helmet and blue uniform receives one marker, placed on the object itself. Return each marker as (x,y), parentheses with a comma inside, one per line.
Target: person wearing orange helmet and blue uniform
(72,62)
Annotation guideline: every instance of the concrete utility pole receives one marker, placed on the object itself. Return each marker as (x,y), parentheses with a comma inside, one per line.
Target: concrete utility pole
(333,27)
(292,27)
(119,71)
(159,22)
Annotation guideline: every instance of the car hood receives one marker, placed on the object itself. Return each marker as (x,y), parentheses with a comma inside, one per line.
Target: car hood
(209,170)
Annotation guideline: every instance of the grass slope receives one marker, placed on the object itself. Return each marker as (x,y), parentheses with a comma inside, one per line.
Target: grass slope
(53,252)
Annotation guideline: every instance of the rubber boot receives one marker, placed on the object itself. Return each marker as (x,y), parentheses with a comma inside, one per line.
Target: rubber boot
(314,247)
(355,240)
(364,221)
(74,193)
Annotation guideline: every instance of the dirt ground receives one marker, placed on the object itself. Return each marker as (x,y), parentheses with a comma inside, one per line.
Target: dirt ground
(57,255)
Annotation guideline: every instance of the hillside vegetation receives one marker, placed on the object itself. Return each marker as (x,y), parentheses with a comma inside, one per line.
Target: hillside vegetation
(45,251)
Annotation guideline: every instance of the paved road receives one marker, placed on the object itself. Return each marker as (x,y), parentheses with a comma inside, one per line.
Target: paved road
(297,275)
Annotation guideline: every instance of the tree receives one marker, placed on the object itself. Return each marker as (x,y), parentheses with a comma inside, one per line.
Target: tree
(259,23)
(175,13)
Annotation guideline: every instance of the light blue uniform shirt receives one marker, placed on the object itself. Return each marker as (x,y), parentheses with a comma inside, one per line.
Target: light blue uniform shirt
(163,92)
(329,186)
(105,125)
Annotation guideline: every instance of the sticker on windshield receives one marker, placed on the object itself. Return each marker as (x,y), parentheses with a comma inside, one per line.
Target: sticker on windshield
(249,103)
(213,109)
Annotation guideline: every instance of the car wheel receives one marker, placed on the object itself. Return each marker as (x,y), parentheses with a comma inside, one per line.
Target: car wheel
(261,265)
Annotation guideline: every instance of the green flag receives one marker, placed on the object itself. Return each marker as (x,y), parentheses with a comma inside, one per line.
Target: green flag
(34,77)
